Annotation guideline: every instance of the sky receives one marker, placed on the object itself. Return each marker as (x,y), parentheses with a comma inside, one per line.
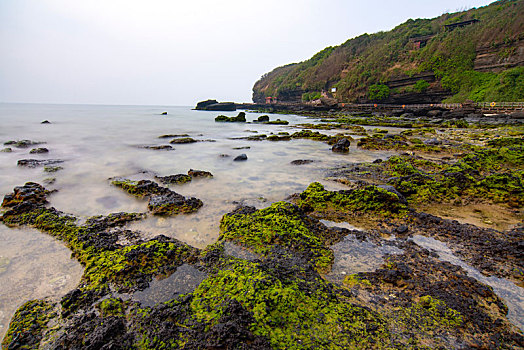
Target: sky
(173,52)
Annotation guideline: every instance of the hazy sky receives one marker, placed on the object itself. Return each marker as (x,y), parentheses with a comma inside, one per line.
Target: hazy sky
(175,52)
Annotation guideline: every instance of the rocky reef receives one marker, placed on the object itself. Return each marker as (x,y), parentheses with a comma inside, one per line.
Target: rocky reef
(275,279)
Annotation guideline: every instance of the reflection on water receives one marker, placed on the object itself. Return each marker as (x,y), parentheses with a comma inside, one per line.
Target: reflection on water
(32,265)
(512,294)
(184,280)
(353,255)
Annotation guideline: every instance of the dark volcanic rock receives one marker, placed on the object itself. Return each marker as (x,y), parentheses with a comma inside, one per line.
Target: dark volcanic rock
(183,140)
(204,104)
(46,122)
(173,203)
(263,118)
(222,106)
(174,179)
(22,143)
(164,113)
(342,146)
(39,150)
(170,136)
(161,147)
(199,173)
(33,163)
(240,158)
(301,161)
(31,194)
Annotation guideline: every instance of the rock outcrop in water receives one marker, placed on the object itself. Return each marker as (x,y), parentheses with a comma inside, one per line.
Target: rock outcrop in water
(162,200)
(214,105)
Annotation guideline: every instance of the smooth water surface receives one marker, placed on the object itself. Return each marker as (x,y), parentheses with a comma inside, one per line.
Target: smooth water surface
(512,294)
(33,265)
(100,142)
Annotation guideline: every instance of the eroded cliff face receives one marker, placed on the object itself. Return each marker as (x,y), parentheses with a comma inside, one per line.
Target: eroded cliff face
(456,56)
(496,58)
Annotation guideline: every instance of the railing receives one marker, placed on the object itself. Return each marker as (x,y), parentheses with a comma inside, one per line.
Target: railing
(494,106)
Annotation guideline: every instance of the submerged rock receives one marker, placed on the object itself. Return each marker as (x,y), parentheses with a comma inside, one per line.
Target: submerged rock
(39,150)
(7,150)
(161,147)
(22,143)
(302,161)
(183,140)
(33,163)
(174,179)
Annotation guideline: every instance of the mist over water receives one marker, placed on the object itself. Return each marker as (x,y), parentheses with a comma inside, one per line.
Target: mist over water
(100,142)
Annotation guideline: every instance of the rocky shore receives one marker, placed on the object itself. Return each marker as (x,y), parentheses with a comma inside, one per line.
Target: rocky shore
(279,277)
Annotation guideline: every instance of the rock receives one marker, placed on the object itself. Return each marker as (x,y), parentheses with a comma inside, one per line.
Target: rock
(39,150)
(30,195)
(161,147)
(342,146)
(432,142)
(174,179)
(263,118)
(170,136)
(46,122)
(203,104)
(52,169)
(7,150)
(302,161)
(183,140)
(222,106)
(199,173)
(240,158)
(22,143)
(172,203)
(277,122)
(517,115)
(224,155)
(33,163)
(377,161)
(164,113)
(434,113)
(240,118)
(392,189)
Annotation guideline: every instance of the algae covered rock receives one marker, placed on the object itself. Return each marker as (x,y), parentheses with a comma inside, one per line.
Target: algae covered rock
(174,179)
(173,203)
(282,224)
(240,118)
(364,199)
(199,173)
(162,201)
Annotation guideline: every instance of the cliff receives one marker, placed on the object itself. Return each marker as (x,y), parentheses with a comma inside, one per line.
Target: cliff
(476,54)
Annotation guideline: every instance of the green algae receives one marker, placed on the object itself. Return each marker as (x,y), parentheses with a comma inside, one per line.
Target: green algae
(28,325)
(431,313)
(492,174)
(367,199)
(281,224)
(112,307)
(139,189)
(240,118)
(292,314)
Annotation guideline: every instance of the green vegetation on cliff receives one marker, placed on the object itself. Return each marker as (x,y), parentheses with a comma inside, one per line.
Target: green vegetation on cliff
(480,61)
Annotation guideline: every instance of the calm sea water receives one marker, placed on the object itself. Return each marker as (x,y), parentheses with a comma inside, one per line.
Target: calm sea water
(99,142)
